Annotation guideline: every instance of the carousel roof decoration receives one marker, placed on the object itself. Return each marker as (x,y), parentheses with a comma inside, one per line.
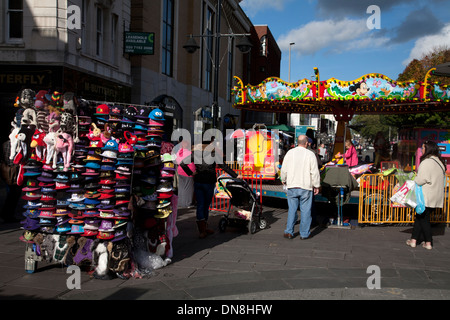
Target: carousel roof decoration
(371,93)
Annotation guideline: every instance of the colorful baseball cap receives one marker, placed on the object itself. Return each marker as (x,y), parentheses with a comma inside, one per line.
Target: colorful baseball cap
(102,110)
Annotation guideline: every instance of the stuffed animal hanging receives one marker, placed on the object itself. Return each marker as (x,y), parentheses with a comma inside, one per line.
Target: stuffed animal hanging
(100,260)
(37,142)
(61,246)
(94,133)
(29,117)
(42,120)
(105,136)
(50,137)
(63,145)
(15,143)
(84,253)
(53,121)
(25,98)
(20,139)
(56,103)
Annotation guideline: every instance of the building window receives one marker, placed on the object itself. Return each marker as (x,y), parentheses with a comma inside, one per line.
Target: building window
(167,38)
(14,17)
(99,41)
(263,46)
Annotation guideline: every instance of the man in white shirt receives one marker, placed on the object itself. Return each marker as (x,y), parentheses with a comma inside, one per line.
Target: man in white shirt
(300,175)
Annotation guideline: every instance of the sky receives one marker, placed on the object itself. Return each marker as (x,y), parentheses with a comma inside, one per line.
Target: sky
(346,39)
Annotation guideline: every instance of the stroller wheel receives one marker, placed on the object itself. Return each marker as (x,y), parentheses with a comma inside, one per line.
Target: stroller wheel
(253,227)
(262,223)
(223,224)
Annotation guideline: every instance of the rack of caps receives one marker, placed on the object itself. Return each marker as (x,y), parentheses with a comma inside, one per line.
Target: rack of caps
(115,178)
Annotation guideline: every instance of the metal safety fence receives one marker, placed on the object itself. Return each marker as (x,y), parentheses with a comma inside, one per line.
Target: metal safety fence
(375,207)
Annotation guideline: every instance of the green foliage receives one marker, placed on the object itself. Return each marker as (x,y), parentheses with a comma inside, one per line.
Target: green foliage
(370,125)
(417,70)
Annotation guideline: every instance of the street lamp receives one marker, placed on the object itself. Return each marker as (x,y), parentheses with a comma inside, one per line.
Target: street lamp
(244,45)
(191,46)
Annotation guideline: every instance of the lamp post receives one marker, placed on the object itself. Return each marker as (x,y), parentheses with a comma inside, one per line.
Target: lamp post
(290,45)
(191,46)
(289,77)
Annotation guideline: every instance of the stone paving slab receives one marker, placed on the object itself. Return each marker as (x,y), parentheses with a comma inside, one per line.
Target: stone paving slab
(332,264)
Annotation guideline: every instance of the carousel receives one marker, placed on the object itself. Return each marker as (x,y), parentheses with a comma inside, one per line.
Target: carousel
(372,93)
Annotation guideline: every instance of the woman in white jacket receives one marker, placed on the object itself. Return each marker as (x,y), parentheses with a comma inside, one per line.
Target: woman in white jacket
(431,176)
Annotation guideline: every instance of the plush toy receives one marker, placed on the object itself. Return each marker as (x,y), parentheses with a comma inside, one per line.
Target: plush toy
(94,132)
(64,145)
(56,102)
(50,141)
(37,142)
(70,103)
(48,247)
(42,120)
(20,139)
(71,250)
(84,253)
(15,143)
(105,136)
(100,259)
(29,117)
(61,247)
(50,137)
(53,120)
(26,98)
(119,257)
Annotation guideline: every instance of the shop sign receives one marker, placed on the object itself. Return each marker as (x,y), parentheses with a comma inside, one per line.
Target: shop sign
(139,43)
(13,78)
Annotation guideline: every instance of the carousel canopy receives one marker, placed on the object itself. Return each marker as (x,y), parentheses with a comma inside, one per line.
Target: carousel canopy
(370,94)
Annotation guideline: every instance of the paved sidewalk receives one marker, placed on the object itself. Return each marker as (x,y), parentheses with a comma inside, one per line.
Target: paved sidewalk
(332,264)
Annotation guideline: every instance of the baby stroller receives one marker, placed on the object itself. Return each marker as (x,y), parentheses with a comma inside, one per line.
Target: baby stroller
(247,211)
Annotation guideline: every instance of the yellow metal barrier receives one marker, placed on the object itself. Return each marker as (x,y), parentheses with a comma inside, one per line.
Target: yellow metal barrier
(255,183)
(375,207)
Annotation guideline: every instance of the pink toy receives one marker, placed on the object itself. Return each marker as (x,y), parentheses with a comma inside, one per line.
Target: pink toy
(64,145)
(50,137)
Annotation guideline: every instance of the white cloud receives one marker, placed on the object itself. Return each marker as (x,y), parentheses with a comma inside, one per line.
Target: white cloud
(336,36)
(251,7)
(426,44)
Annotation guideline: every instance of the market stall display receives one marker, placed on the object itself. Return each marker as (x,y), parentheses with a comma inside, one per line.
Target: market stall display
(98,185)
